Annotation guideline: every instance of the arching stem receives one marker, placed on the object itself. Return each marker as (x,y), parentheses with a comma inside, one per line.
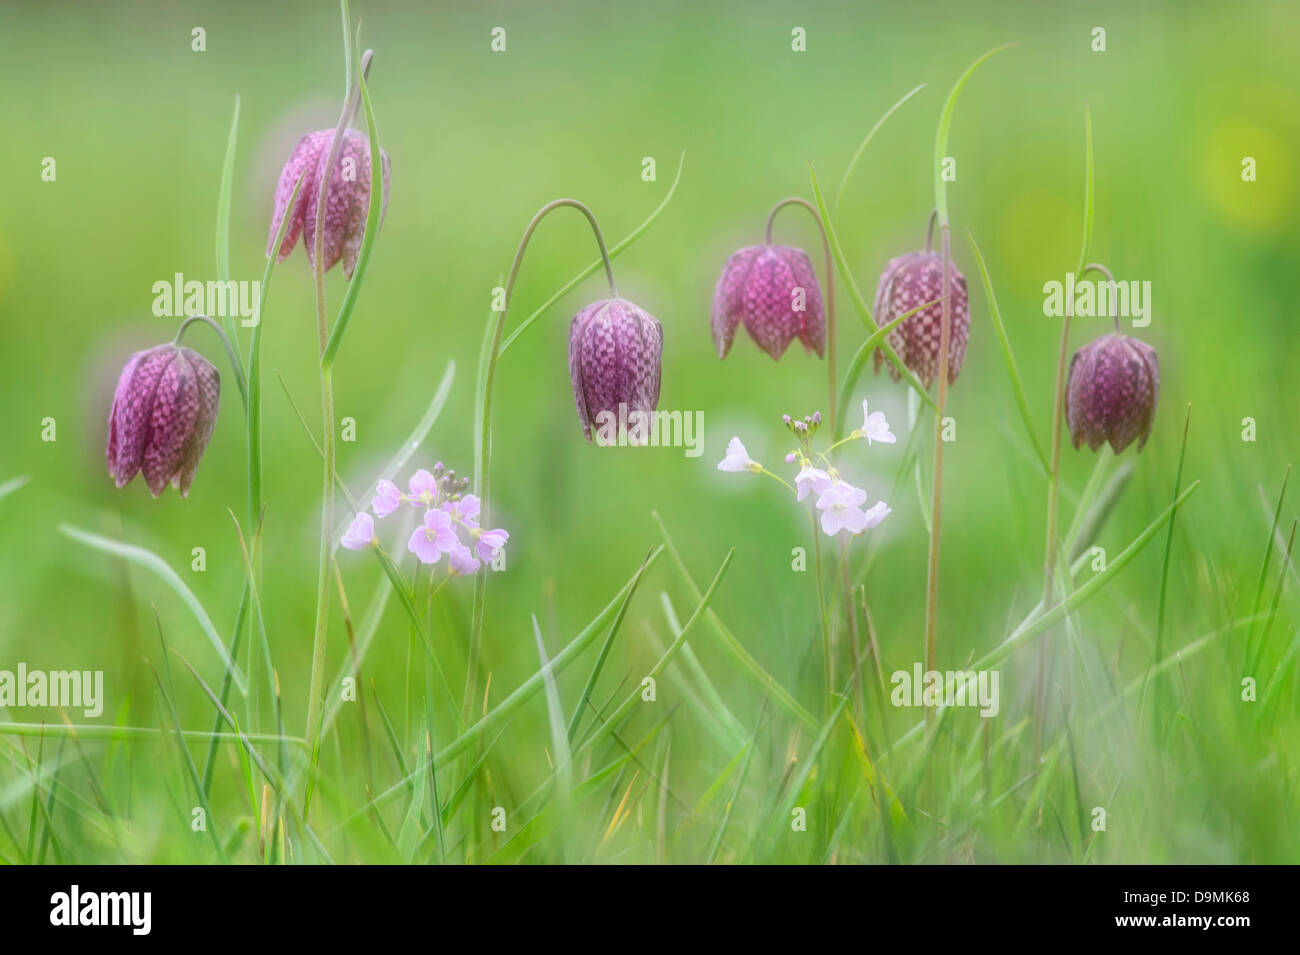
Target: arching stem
(482,475)
(226,343)
(831,412)
(830,294)
(1102,270)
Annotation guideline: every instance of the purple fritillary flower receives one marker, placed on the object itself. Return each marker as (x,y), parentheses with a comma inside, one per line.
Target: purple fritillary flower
(164,410)
(911,280)
(615,351)
(346,204)
(758,286)
(1111,393)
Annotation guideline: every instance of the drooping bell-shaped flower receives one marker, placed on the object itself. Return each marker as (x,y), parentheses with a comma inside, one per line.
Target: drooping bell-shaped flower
(164,410)
(1111,393)
(772,289)
(615,350)
(907,282)
(346,204)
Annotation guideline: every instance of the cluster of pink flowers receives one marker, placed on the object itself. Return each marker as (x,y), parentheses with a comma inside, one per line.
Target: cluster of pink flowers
(450,524)
(839,502)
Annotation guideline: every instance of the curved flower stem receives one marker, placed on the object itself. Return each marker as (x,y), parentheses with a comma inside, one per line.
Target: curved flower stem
(482,476)
(226,343)
(1101,269)
(830,291)
(780,480)
(316,692)
(828,671)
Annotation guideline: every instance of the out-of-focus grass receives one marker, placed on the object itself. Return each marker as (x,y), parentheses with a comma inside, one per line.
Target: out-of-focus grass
(137,124)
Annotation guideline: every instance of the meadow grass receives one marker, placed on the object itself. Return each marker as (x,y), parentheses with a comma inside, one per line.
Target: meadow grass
(509,719)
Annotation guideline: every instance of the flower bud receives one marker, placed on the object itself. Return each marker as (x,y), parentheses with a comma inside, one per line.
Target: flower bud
(164,410)
(773,289)
(614,359)
(1111,393)
(912,280)
(346,204)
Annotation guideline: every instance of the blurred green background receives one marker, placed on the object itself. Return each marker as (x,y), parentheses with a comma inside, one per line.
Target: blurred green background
(137,123)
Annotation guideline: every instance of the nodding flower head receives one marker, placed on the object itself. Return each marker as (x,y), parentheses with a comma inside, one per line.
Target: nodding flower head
(615,350)
(1111,393)
(164,409)
(346,204)
(773,289)
(911,280)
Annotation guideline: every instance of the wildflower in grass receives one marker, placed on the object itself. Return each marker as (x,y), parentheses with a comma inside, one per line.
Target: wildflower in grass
(450,524)
(164,410)
(738,459)
(912,280)
(874,427)
(809,480)
(463,510)
(387,498)
(424,489)
(435,537)
(841,507)
(839,502)
(1111,392)
(461,560)
(772,289)
(346,204)
(615,351)
(489,543)
(360,533)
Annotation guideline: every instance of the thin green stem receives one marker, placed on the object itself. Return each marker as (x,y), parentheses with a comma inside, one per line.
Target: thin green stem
(1058,408)
(829,269)
(482,475)
(226,343)
(828,670)
(316,693)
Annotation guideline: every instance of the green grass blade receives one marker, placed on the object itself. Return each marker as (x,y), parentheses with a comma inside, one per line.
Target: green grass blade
(152,562)
(373,215)
(859,360)
(558,664)
(579,709)
(614,252)
(1089,188)
(223,218)
(1013,371)
(855,295)
(762,679)
(1169,538)
(613,719)
(862,148)
(945,125)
